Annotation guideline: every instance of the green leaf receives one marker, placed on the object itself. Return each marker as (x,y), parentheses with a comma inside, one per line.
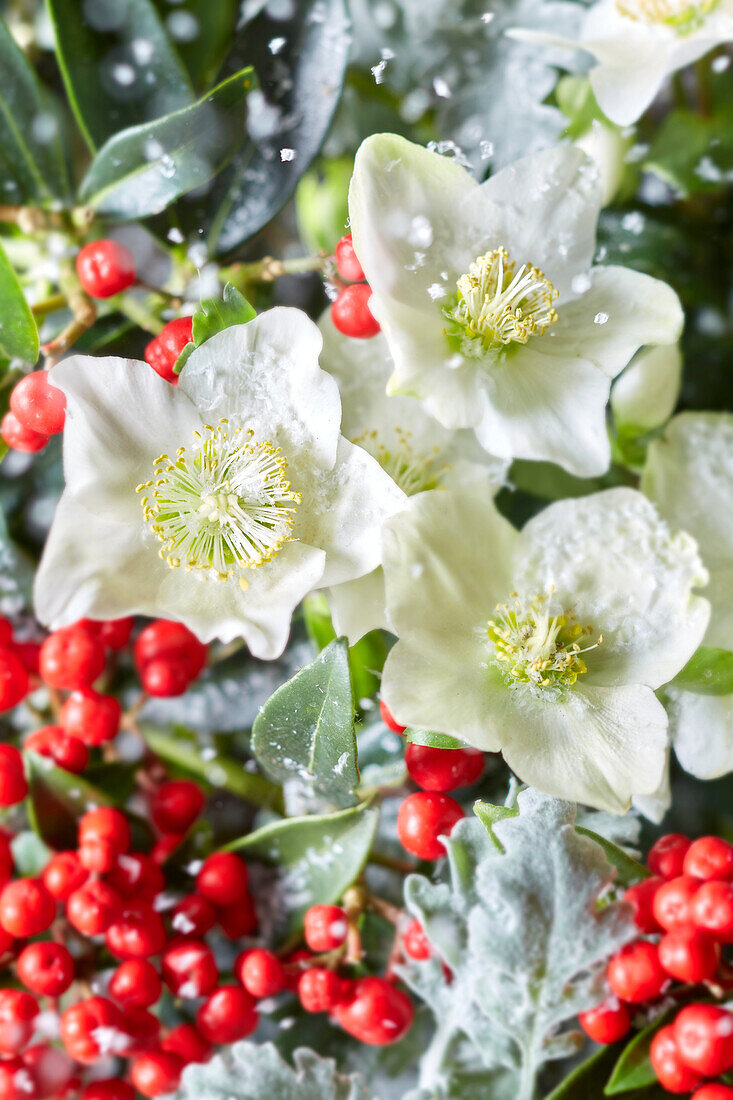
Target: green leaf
(132,46)
(633,1070)
(18,330)
(57,799)
(693,153)
(32,159)
(586,1081)
(214,315)
(544,479)
(203,33)
(30,854)
(366,657)
(142,170)
(433,740)
(317,859)
(708,672)
(629,870)
(306,729)
(252,1071)
(301,83)
(577,102)
(321,204)
(488,814)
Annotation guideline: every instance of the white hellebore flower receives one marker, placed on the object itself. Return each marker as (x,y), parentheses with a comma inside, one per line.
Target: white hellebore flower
(639,43)
(487,299)
(415,450)
(645,395)
(545,644)
(689,476)
(220,502)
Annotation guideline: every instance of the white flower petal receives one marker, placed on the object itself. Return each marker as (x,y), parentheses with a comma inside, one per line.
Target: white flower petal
(359,606)
(612,561)
(644,396)
(622,310)
(702,732)
(599,746)
(549,203)
(654,806)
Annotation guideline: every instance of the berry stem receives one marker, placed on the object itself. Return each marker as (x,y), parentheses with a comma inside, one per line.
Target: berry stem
(269,268)
(49,305)
(138,312)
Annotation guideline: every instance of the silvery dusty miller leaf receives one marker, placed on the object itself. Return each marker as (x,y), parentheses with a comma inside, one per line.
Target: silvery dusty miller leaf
(246,1071)
(526,941)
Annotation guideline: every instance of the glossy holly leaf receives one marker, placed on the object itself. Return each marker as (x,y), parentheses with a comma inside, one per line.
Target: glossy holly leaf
(143,169)
(57,799)
(366,657)
(33,164)
(433,740)
(589,1078)
(118,65)
(316,859)
(18,330)
(251,1071)
(305,731)
(708,672)
(202,32)
(633,1069)
(525,940)
(300,62)
(214,315)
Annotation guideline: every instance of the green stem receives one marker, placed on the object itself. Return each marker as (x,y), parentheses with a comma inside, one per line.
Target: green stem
(139,313)
(49,305)
(268,269)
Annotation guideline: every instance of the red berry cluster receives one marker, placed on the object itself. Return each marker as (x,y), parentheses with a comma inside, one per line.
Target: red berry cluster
(685,912)
(37,411)
(350,311)
(430,813)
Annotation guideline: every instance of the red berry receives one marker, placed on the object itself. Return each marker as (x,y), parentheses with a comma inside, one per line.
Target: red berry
(671,905)
(238,919)
(162,352)
(104,834)
(20,438)
(17,1080)
(63,874)
(227,1014)
(688,954)
(26,908)
(6,632)
(320,990)
(109,1089)
(46,968)
(325,927)
(71,658)
(704,1037)
(115,633)
(260,972)
(156,1073)
(422,819)
(38,405)
(388,718)
(6,858)
(137,934)
(667,856)
(86,1027)
(672,1072)
(347,264)
(415,943)
(136,876)
(164,680)
(640,897)
(710,857)
(13,785)
(351,314)
(635,973)
(14,683)
(93,718)
(189,968)
(28,653)
(68,752)
(105,268)
(711,909)
(223,878)
(165,846)
(186,1042)
(443,769)
(607,1023)
(171,642)
(376,1012)
(713,1091)
(176,805)
(135,984)
(141,1029)
(193,916)
(18,1010)
(92,908)
(50,1067)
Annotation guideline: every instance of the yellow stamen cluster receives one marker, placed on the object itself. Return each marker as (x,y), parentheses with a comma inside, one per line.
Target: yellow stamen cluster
(222,506)
(413,472)
(533,646)
(497,304)
(683,15)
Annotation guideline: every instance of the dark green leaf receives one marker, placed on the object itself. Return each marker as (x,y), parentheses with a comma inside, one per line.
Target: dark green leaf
(142,170)
(57,799)
(301,83)
(587,1080)
(214,315)
(321,204)
(544,479)
(708,672)
(629,869)
(306,729)
(118,65)
(633,1070)
(693,153)
(317,858)
(18,330)
(32,159)
(366,657)
(202,32)
(433,740)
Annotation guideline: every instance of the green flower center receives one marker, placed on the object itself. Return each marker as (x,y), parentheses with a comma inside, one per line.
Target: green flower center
(531,645)
(498,303)
(684,16)
(414,472)
(224,506)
